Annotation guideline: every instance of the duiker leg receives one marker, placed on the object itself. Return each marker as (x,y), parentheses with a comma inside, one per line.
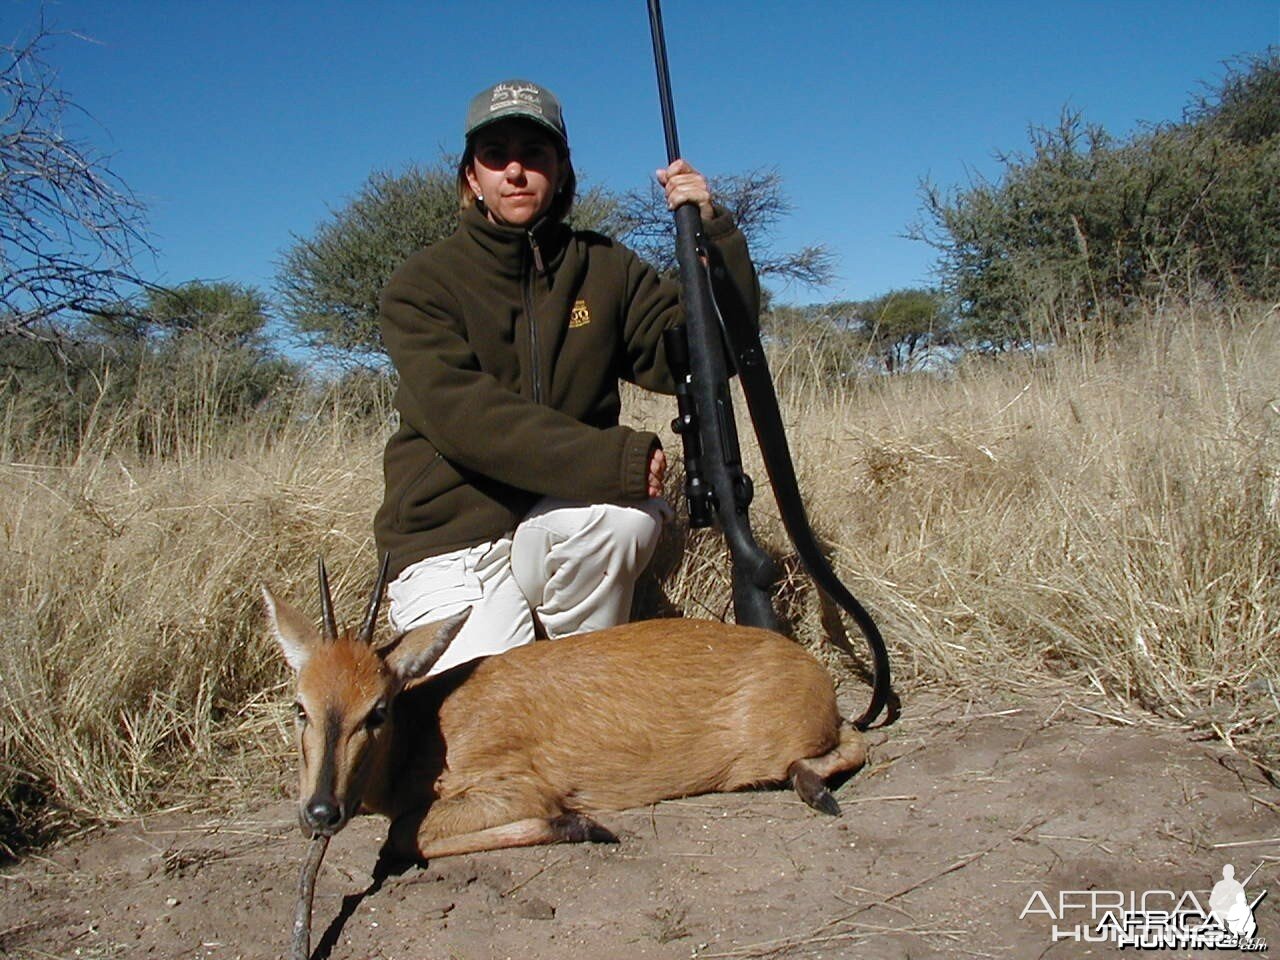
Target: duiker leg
(809,776)
(478,820)
(565,828)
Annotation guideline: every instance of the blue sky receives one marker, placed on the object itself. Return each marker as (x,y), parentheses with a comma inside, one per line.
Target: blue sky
(242,124)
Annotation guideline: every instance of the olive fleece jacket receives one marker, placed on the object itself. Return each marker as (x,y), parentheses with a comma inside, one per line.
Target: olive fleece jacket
(510,344)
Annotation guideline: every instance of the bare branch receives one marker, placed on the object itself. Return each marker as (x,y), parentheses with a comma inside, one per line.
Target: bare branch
(69,227)
(757,202)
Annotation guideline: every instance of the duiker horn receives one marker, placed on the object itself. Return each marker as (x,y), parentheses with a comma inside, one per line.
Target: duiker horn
(330,625)
(371,612)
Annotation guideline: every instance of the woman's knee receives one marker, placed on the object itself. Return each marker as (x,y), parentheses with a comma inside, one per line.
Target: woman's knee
(587,542)
(633,531)
(605,532)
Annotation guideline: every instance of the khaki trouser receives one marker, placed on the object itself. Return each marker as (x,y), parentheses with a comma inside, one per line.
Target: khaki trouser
(572,567)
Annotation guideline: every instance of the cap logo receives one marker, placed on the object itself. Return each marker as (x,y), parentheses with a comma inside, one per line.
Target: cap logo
(516,98)
(507,95)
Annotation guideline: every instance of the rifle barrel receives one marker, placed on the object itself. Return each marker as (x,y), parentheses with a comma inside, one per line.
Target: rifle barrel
(664,81)
(715,481)
(719,484)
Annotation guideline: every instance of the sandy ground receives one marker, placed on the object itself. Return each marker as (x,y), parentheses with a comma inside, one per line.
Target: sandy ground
(967,811)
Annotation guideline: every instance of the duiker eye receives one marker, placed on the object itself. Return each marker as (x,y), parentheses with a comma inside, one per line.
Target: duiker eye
(377,717)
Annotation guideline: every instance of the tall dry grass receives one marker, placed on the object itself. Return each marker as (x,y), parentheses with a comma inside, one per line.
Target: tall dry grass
(1105,511)
(1104,514)
(134,671)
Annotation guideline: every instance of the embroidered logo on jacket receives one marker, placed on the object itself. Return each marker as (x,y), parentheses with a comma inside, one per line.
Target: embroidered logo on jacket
(579,316)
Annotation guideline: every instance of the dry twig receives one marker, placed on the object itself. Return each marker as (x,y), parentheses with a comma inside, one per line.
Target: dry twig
(825,933)
(300,946)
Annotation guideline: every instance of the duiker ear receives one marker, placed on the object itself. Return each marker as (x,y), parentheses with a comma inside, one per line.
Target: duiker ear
(297,635)
(412,654)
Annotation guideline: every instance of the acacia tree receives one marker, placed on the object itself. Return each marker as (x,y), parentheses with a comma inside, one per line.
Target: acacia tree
(69,227)
(901,324)
(329,283)
(1083,225)
(220,314)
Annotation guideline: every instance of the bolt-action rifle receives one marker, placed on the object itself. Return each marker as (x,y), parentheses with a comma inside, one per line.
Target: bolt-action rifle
(716,340)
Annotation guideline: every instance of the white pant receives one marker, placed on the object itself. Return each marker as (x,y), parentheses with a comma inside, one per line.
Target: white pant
(572,566)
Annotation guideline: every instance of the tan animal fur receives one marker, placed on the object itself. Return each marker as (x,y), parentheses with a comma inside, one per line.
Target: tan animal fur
(524,748)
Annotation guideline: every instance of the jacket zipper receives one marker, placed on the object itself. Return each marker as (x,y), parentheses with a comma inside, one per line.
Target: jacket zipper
(534,349)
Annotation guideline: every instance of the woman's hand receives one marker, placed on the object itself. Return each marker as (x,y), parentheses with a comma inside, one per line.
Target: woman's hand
(657,471)
(686,185)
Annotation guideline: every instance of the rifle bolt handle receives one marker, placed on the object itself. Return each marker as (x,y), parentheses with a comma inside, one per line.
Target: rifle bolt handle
(683,423)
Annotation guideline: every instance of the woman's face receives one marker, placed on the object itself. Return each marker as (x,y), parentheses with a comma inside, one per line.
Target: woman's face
(517,170)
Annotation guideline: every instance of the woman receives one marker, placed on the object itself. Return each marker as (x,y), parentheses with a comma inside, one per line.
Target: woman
(510,486)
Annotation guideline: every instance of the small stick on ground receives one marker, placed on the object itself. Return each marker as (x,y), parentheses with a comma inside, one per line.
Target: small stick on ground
(1246,843)
(772,947)
(301,944)
(541,870)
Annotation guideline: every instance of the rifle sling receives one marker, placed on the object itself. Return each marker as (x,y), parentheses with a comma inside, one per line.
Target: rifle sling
(742,340)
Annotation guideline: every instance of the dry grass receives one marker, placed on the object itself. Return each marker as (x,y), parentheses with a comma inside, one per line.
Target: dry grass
(1105,515)
(134,670)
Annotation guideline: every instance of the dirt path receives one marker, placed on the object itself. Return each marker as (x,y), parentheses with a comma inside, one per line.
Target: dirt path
(967,811)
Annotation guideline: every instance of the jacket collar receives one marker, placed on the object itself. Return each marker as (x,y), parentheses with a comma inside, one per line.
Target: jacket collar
(516,249)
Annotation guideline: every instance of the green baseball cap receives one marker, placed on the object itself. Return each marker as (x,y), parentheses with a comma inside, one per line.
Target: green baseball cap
(516,98)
